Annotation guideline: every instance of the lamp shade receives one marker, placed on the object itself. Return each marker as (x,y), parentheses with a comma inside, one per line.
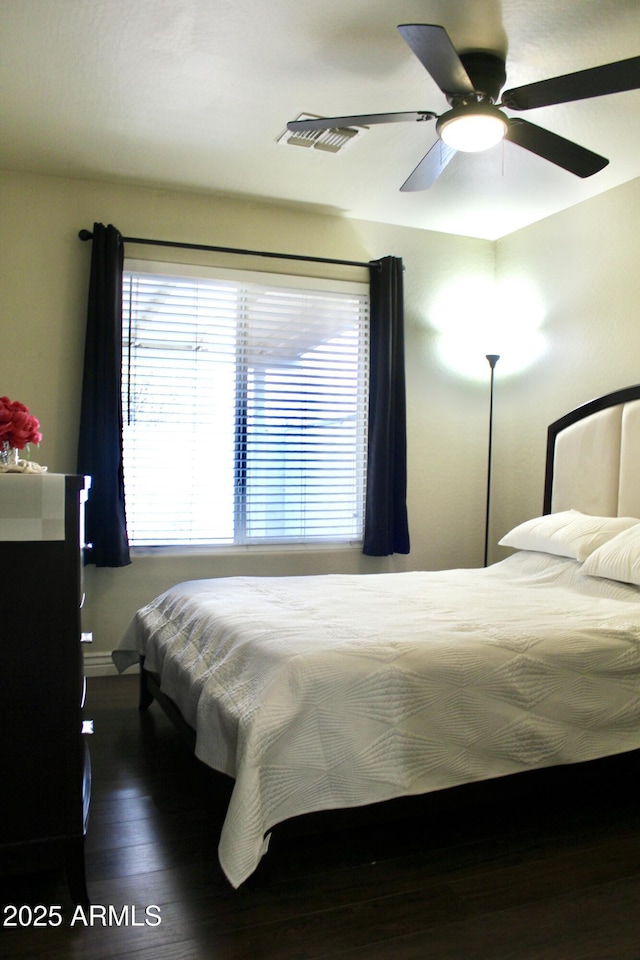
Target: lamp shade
(472,127)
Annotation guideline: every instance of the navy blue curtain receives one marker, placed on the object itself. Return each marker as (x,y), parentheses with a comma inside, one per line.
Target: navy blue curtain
(386,528)
(100,441)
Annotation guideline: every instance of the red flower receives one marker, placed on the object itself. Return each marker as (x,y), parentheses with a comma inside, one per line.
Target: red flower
(18,427)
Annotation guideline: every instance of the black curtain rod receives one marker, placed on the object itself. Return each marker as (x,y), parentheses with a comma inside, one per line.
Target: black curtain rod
(87,235)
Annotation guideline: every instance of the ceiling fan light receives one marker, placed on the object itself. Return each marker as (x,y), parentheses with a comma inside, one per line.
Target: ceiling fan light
(472,129)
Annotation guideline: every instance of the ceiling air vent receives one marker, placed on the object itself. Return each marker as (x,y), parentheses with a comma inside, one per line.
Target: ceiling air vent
(331,141)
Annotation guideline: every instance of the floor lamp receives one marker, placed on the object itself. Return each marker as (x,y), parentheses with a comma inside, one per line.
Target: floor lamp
(492,359)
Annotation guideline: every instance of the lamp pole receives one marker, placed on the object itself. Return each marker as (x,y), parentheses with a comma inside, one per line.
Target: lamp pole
(492,359)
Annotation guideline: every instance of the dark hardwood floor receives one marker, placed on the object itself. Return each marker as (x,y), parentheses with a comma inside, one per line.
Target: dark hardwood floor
(555,876)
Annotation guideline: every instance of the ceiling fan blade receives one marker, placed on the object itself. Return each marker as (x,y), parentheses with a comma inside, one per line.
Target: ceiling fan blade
(564,153)
(583,85)
(436,53)
(429,168)
(365,120)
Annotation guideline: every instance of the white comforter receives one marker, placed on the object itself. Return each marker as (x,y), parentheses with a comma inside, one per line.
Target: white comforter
(333,691)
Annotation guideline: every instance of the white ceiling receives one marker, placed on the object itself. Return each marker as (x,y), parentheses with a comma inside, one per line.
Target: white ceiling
(194,94)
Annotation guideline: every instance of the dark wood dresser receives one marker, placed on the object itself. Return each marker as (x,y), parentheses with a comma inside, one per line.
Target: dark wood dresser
(44,758)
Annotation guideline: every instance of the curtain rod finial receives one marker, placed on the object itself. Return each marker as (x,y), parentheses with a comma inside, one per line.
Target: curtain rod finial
(85,235)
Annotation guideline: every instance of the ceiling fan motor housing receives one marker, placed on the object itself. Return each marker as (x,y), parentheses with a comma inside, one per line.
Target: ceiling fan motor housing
(487,74)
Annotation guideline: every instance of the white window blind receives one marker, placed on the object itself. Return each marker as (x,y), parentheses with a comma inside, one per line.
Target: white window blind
(244,406)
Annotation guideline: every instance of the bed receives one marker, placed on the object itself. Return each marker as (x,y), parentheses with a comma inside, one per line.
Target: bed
(342,691)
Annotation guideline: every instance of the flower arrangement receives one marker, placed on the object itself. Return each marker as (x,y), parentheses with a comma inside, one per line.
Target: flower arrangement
(18,427)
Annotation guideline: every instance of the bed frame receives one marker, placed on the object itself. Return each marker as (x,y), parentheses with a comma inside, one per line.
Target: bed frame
(593,457)
(592,465)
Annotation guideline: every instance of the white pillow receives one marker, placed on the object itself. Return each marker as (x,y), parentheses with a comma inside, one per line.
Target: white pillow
(567,533)
(617,559)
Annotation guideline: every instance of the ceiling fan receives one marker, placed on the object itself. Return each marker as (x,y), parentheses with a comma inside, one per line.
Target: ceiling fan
(472,82)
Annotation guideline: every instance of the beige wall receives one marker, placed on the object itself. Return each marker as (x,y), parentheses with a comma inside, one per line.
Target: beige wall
(585,266)
(43,289)
(582,264)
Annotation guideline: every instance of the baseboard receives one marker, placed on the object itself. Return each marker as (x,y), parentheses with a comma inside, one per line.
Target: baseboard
(97,664)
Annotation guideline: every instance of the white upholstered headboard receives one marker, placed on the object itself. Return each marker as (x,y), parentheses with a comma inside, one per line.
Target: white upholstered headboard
(593,457)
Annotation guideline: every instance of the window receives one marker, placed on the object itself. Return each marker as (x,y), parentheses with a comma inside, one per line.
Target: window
(244,406)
